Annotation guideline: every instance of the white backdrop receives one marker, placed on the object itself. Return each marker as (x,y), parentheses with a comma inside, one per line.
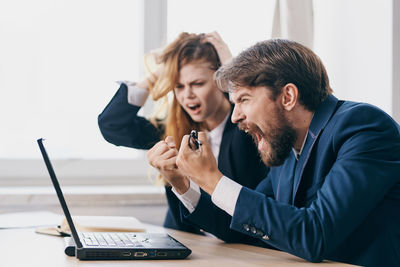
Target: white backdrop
(59,60)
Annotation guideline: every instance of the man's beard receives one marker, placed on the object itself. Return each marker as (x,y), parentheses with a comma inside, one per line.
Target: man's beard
(281,139)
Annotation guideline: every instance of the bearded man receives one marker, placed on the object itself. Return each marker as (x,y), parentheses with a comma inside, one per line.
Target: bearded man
(333,190)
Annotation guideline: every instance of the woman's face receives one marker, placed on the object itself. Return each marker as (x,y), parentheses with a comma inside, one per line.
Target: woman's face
(197,92)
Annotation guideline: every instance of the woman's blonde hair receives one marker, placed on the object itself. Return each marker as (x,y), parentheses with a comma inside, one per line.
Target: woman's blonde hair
(187,48)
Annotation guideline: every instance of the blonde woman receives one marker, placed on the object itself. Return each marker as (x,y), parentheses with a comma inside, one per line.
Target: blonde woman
(188,66)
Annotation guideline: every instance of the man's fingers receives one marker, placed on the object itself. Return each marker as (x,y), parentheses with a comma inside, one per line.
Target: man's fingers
(202,136)
(159,152)
(166,161)
(184,144)
(184,148)
(169,154)
(168,164)
(156,149)
(170,141)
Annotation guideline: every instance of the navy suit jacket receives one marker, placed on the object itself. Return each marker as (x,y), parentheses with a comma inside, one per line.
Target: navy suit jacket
(340,201)
(238,157)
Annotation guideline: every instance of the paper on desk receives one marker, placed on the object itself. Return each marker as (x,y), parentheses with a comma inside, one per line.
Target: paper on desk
(95,224)
(29,219)
(105,224)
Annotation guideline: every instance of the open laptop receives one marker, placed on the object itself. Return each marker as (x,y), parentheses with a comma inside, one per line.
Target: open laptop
(116,245)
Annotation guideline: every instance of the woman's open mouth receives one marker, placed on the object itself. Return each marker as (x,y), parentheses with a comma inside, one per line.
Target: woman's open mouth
(194,108)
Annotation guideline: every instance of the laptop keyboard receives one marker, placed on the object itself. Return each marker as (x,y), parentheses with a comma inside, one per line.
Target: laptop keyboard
(111,239)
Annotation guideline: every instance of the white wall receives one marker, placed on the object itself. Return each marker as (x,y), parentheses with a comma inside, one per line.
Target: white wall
(396,60)
(354,40)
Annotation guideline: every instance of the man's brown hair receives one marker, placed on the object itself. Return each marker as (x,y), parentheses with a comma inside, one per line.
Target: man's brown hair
(275,63)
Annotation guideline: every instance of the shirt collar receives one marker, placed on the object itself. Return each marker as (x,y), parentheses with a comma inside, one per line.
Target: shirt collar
(216,133)
(297,153)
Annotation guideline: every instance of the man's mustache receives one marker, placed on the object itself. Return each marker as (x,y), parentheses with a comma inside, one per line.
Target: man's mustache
(251,129)
(242,126)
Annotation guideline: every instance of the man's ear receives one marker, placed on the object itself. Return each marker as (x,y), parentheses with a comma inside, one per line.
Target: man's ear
(289,96)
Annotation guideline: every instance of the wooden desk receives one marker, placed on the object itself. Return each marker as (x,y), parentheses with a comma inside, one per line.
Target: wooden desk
(23,247)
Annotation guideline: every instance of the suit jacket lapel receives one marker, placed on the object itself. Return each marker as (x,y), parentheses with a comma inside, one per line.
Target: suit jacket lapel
(224,162)
(321,117)
(285,181)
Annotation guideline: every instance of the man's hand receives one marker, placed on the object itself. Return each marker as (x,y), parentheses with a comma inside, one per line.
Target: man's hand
(162,156)
(200,165)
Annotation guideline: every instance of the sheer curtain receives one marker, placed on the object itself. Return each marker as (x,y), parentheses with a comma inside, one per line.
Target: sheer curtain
(294,20)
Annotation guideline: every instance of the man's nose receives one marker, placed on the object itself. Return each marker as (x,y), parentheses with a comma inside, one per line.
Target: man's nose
(237,115)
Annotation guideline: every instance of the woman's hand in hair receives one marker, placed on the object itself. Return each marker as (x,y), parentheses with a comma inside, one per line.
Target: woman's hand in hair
(162,156)
(154,67)
(151,78)
(222,48)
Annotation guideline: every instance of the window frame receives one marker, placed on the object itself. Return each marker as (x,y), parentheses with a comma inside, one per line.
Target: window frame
(20,173)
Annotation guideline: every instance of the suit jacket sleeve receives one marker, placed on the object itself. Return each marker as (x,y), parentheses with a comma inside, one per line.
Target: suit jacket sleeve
(216,221)
(120,125)
(365,170)
(173,217)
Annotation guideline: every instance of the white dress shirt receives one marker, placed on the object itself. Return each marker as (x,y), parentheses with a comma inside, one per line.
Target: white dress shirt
(136,96)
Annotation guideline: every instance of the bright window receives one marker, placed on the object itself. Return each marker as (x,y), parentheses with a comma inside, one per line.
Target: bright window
(59,60)
(59,63)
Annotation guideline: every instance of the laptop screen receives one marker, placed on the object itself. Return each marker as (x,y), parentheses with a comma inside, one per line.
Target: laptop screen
(59,193)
